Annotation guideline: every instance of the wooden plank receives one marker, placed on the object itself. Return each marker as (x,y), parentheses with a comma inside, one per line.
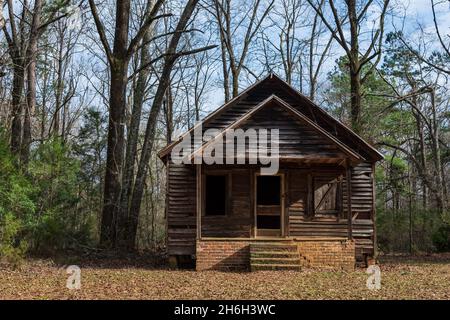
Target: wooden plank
(310,197)
(199,200)
(373,216)
(349,199)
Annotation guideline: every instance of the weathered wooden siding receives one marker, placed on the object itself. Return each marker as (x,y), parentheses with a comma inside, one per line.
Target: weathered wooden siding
(302,221)
(181,209)
(362,208)
(303,224)
(362,195)
(239,220)
(296,139)
(276,87)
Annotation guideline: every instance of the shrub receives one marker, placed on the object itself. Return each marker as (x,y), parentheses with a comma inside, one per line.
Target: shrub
(40,205)
(12,250)
(16,207)
(60,223)
(441,238)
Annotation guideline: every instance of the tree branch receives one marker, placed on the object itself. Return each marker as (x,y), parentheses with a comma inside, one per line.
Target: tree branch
(168,54)
(101,31)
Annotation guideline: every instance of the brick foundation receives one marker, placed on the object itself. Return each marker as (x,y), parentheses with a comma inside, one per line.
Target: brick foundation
(229,255)
(329,254)
(223,255)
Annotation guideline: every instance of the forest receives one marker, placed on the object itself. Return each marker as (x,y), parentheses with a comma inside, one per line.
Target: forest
(91,90)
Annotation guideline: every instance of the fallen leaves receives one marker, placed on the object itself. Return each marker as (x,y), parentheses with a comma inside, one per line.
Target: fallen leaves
(401,279)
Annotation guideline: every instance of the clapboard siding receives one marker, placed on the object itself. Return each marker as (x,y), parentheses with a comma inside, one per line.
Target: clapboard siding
(306,224)
(181,209)
(296,139)
(362,191)
(238,221)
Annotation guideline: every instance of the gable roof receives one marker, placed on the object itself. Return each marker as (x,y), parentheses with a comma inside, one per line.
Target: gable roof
(299,105)
(274,99)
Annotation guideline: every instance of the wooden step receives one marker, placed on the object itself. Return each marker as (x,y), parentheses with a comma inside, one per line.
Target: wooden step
(273,247)
(274,254)
(263,267)
(278,260)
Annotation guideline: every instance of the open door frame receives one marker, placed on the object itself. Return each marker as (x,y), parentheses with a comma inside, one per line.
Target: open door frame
(282,203)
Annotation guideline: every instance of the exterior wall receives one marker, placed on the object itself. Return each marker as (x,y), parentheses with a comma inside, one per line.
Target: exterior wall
(338,254)
(181,209)
(363,206)
(303,224)
(223,255)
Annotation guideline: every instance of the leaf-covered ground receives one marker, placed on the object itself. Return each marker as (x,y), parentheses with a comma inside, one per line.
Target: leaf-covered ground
(402,278)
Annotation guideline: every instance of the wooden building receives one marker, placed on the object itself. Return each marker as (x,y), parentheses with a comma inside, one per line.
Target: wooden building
(317,211)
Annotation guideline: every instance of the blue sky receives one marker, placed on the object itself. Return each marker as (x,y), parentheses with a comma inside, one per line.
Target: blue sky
(410,15)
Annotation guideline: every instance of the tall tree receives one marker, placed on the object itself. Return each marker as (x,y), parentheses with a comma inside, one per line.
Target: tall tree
(118,59)
(354,14)
(16,39)
(31,53)
(170,57)
(22,39)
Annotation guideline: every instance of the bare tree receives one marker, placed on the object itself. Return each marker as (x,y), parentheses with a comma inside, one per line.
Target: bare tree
(440,64)
(170,56)
(22,39)
(355,14)
(317,52)
(233,54)
(118,58)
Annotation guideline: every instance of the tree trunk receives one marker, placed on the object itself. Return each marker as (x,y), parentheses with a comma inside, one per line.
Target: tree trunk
(31,80)
(168,108)
(133,129)
(440,195)
(223,52)
(235,74)
(355,72)
(59,90)
(115,150)
(355,100)
(17,104)
(423,158)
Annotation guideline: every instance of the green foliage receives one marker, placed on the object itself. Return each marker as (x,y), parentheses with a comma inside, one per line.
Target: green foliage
(429,232)
(40,208)
(16,207)
(90,149)
(441,238)
(375,98)
(55,174)
(11,249)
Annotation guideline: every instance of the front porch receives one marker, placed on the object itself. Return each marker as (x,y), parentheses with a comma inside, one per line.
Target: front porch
(300,201)
(274,254)
(299,216)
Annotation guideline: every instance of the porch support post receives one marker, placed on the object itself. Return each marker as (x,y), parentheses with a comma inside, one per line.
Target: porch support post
(199,200)
(348,171)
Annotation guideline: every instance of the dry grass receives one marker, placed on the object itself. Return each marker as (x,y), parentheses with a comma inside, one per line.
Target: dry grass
(402,278)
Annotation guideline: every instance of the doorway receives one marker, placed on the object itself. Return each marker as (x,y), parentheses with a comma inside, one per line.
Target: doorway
(269,206)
